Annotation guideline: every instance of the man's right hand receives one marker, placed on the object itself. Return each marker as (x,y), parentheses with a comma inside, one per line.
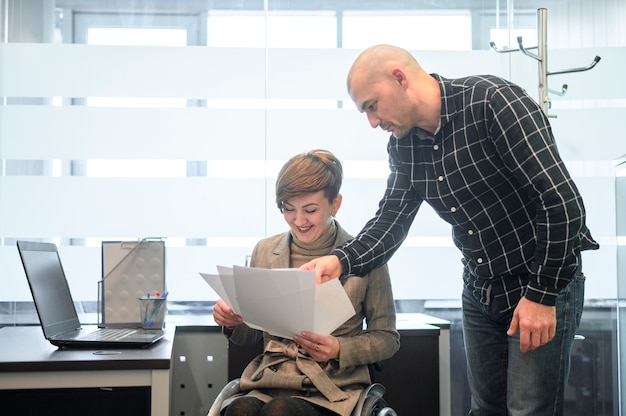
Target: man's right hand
(326,268)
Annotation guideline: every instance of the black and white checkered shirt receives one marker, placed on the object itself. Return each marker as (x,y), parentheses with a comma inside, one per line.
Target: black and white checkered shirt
(492,171)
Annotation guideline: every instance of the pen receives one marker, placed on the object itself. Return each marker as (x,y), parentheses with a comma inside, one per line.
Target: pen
(145,312)
(157,294)
(155,312)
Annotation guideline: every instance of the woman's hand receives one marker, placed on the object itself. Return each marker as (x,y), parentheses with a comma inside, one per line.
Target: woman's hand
(319,347)
(225,316)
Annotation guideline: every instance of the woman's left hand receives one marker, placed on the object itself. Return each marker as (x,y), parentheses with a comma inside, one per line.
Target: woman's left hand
(319,347)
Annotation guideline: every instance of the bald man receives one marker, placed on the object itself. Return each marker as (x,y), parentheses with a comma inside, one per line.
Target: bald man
(480,151)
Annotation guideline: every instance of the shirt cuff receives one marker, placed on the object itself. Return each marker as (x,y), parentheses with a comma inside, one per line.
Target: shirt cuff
(227,331)
(540,295)
(343,259)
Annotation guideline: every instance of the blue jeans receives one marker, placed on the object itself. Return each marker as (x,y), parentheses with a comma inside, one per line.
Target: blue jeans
(504,381)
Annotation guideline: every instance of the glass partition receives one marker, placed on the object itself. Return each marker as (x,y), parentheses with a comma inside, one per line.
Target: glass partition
(620,192)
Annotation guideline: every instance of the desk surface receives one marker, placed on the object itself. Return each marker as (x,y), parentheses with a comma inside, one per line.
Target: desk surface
(415,320)
(25,349)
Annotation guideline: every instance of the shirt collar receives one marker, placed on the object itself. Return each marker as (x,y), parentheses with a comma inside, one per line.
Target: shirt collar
(448,105)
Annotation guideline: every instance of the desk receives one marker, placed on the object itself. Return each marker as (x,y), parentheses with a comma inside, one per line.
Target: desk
(30,368)
(406,322)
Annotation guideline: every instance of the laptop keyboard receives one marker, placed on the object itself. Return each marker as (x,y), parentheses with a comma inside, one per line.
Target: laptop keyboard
(109,334)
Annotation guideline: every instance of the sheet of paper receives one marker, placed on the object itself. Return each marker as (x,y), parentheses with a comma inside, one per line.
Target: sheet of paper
(216,283)
(282,302)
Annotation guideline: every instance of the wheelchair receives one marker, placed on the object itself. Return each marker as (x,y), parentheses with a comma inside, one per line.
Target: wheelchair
(371,402)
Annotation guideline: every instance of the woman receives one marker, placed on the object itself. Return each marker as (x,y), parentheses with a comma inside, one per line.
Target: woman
(312,374)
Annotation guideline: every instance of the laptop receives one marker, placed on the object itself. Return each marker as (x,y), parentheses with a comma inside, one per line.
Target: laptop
(56,310)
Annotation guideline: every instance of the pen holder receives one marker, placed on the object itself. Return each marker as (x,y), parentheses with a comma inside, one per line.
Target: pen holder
(152,312)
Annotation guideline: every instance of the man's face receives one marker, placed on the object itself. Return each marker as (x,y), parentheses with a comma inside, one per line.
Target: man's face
(384,102)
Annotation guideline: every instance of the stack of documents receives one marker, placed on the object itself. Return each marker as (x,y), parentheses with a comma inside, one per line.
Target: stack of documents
(283,302)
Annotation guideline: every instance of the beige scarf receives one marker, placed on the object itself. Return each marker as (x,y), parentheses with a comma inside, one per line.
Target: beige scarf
(304,252)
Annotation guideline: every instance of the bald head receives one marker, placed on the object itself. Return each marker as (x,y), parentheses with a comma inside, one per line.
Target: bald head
(391,88)
(376,61)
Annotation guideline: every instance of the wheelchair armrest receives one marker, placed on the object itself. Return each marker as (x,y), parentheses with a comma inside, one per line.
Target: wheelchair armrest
(378,365)
(230,389)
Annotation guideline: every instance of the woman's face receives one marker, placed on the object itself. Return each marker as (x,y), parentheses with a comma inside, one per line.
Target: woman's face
(309,215)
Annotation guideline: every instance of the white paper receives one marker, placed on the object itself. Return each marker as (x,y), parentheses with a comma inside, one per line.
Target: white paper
(283,302)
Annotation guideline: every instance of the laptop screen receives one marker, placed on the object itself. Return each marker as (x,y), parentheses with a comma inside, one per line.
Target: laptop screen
(49,287)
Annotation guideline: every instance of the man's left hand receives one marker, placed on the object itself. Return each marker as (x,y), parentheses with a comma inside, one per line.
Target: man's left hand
(536,324)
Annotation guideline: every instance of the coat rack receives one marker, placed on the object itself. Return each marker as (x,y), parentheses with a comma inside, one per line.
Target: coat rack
(542,58)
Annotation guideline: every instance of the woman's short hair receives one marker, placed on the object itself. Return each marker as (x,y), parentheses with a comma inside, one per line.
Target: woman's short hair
(309,172)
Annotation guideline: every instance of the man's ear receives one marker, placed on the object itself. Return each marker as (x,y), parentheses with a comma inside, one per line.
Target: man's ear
(400,77)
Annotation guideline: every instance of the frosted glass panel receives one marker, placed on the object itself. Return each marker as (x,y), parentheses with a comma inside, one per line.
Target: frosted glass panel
(72,70)
(45,70)
(83,269)
(454,64)
(45,207)
(246,119)
(589,133)
(75,132)
(620,203)
(295,73)
(183,265)
(13,278)
(597,83)
(346,133)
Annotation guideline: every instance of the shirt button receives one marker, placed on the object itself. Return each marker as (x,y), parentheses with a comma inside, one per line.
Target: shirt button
(453,209)
(471,232)
(436,147)
(440,179)
(479,260)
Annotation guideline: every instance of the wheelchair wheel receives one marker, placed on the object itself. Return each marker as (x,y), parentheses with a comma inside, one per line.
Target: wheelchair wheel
(372,405)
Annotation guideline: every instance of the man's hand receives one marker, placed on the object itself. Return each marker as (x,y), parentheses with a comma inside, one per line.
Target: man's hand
(536,324)
(326,268)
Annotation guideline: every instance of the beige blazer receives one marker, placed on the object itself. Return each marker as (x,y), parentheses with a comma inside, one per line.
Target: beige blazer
(285,370)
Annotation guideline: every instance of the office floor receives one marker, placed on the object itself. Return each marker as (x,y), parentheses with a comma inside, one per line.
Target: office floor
(592,383)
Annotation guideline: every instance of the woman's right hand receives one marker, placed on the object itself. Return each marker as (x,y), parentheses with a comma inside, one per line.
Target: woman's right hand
(225,316)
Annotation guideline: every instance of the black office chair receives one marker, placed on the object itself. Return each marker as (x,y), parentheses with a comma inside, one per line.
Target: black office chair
(371,402)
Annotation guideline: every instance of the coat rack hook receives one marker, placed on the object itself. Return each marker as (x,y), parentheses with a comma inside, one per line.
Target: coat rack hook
(542,58)
(559,93)
(506,49)
(525,50)
(579,69)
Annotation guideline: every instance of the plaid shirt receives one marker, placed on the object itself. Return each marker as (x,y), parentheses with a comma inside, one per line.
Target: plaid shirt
(492,170)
